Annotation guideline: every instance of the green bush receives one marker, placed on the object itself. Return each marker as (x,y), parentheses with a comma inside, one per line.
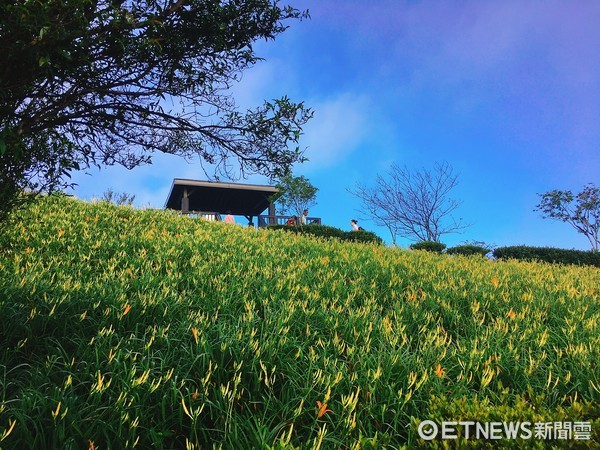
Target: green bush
(362,236)
(429,246)
(549,254)
(331,232)
(468,250)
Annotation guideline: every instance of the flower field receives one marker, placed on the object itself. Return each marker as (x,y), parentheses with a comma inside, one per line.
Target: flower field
(122,328)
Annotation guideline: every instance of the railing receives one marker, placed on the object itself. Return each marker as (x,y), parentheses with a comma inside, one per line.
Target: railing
(207,215)
(266,220)
(263,220)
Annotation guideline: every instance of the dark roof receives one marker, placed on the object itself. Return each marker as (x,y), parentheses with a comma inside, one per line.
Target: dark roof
(211,196)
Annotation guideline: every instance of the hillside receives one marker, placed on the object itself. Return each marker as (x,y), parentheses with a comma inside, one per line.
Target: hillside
(123,328)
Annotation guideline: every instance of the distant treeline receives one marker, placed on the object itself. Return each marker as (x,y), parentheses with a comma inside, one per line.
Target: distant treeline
(549,254)
(518,252)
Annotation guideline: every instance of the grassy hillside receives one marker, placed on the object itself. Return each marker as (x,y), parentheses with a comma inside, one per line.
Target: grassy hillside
(123,328)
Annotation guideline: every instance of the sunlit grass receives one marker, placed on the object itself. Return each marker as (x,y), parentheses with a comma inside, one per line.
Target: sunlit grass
(129,328)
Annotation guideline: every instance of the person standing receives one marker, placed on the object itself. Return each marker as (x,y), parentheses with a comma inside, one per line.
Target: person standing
(303,217)
(229,218)
(354,225)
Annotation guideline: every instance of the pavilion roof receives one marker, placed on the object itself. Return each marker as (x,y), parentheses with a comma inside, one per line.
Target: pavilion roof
(211,196)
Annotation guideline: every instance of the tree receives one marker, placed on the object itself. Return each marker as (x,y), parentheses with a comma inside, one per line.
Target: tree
(581,211)
(113,81)
(412,204)
(295,195)
(118,198)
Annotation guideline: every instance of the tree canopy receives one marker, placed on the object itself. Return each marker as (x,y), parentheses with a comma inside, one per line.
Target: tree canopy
(581,211)
(92,82)
(295,195)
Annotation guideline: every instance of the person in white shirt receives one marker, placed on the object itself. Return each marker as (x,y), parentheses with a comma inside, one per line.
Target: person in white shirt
(303,217)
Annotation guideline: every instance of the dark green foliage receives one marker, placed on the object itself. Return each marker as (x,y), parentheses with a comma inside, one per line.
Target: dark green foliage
(32,164)
(549,254)
(111,82)
(295,195)
(468,250)
(331,232)
(430,246)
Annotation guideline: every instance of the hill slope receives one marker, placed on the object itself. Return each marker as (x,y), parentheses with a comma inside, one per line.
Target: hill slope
(121,327)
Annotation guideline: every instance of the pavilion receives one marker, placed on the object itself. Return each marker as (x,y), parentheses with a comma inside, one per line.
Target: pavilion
(212,199)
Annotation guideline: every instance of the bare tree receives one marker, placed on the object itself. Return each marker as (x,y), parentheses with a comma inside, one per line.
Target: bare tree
(118,198)
(412,204)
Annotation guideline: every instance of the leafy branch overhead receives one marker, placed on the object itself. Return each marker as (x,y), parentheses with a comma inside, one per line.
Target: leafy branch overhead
(112,82)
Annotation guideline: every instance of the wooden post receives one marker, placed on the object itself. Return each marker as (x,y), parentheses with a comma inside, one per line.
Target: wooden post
(185,202)
(272,219)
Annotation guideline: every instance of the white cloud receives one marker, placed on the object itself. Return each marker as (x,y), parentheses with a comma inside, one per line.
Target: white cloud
(338,127)
(260,82)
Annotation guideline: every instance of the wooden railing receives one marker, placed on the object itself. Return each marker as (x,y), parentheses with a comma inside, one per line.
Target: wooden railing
(265,220)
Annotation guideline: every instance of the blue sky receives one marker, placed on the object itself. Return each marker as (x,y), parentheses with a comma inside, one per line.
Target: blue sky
(507,92)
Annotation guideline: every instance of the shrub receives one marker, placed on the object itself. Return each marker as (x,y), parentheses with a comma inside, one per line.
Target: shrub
(468,250)
(549,254)
(331,232)
(429,246)
(362,236)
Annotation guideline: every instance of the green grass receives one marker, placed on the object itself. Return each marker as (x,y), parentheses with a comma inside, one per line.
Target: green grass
(122,328)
